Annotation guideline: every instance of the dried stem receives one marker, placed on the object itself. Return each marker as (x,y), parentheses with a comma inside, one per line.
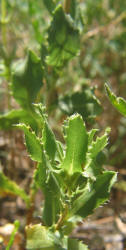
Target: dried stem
(31,208)
(99,29)
(67,4)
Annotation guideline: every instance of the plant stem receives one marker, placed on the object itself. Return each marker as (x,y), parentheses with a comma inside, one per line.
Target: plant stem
(31,208)
(100,29)
(3,21)
(12,237)
(62,218)
(67,4)
(4,41)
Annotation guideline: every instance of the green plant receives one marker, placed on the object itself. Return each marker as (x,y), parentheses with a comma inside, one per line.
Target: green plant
(39,77)
(88,59)
(118,102)
(71,178)
(59,75)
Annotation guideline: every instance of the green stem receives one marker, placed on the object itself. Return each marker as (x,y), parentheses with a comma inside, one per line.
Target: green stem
(67,4)
(3,21)
(62,218)
(31,208)
(51,91)
(8,87)
(12,237)
(4,41)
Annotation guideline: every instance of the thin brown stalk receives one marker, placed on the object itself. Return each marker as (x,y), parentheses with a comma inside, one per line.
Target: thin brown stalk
(67,4)
(99,29)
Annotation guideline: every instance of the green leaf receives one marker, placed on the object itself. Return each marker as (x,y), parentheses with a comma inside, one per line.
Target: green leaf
(94,194)
(73,7)
(9,119)
(63,39)
(85,103)
(49,141)
(93,165)
(41,175)
(118,102)
(51,208)
(50,5)
(45,176)
(10,187)
(98,145)
(76,145)
(52,203)
(50,144)
(60,151)
(27,80)
(91,136)
(75,244)
(39,237)
(33,143)
(46,180)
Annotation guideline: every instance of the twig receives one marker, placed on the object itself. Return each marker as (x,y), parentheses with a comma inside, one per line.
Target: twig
(99,29)
(121,226)
(31,207)
(67,4)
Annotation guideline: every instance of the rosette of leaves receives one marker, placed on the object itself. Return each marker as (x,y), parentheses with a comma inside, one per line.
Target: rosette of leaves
(71,178)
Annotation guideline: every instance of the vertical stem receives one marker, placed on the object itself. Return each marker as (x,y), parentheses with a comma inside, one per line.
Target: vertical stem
(31,207)
(62,218)
(67,4)
(4,41)
(3,21)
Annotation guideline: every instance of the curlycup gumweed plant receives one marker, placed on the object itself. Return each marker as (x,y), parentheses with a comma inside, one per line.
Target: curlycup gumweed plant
(71,178)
